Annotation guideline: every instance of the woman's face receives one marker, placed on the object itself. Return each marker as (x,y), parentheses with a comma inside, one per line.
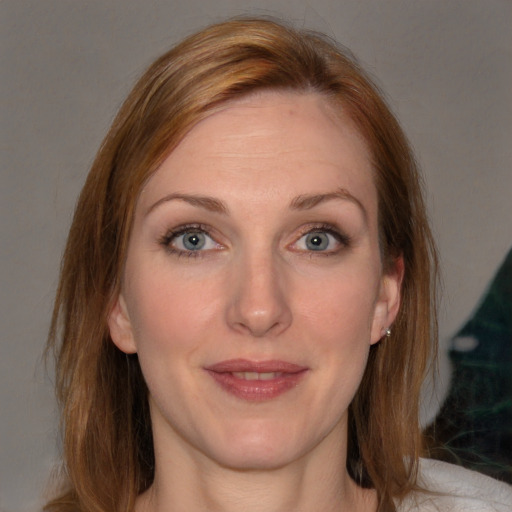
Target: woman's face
(253,285)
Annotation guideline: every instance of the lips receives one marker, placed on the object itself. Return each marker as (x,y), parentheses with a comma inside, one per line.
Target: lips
(256,381)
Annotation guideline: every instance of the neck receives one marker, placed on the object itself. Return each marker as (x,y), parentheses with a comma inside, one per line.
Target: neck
(316,481)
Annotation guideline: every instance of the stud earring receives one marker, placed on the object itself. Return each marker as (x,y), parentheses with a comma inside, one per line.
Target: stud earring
(387,332)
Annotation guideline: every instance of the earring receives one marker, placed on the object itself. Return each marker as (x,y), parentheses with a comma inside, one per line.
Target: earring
(387,332)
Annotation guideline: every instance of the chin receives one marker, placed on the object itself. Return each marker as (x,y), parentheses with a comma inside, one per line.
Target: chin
(255,458)
(258,447)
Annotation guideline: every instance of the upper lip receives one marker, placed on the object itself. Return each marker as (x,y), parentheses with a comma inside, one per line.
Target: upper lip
(245,365)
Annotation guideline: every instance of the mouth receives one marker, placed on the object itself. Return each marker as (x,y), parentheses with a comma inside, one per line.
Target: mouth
(256,381)
(257,376)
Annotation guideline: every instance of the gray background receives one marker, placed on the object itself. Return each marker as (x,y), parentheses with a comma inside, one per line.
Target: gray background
(66,66)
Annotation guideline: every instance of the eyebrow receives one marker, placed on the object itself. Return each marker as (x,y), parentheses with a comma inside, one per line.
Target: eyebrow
(302,202)
(208,203)
(306,202)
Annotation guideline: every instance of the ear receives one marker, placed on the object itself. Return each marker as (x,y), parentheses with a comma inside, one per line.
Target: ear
(388,302)
(120,327)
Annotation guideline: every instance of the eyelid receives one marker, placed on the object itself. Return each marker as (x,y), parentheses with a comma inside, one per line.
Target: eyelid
(342,238)
(172,234)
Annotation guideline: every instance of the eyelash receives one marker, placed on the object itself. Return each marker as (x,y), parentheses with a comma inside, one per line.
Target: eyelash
(166,240)
(343,239)
(171,235)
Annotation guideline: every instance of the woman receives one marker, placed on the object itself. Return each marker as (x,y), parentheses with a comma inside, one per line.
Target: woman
(245,311)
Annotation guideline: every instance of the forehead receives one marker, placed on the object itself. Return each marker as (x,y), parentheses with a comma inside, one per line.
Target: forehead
(272,143)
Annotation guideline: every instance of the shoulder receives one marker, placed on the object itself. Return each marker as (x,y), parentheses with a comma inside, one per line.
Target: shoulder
(456,489)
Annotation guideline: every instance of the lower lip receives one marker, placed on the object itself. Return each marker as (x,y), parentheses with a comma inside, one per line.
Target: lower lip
(257,390)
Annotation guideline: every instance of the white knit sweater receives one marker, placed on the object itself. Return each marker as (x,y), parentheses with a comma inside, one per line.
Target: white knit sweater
(455,489)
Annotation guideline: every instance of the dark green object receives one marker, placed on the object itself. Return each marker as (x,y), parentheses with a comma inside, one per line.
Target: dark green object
(474,426)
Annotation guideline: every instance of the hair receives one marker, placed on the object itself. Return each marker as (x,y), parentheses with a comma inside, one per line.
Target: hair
(106,426)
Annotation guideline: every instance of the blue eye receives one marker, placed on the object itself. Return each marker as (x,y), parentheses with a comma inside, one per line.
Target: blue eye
(193,241)
(189,240)
(321,240)
(317,241)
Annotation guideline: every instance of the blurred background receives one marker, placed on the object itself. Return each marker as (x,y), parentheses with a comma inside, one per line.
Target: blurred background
(66,65)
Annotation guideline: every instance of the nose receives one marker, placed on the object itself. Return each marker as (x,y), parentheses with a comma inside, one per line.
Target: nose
(258,302)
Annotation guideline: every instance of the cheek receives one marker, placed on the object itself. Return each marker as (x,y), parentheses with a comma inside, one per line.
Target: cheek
(167,309)
(338,316)
(341,306)
(166,324)
(160,318)
(336,326)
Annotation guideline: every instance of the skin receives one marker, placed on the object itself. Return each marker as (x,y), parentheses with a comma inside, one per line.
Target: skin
(256,290)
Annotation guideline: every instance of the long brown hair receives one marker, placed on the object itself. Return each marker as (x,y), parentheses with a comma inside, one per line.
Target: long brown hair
(107,441)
